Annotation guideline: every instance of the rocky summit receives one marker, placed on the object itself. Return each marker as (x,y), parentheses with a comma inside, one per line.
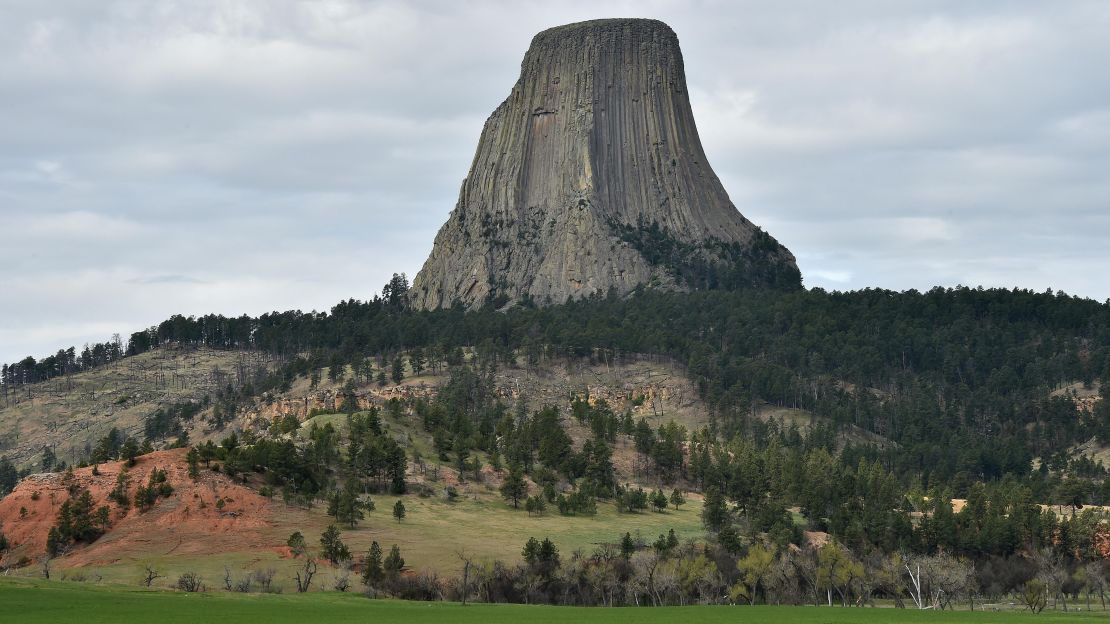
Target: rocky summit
(590,178)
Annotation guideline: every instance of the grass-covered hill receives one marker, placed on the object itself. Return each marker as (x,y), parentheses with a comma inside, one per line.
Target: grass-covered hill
(68,412)
(210,521)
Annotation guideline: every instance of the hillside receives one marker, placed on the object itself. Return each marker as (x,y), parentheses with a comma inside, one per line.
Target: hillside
(192,531)
(795,422)
(70,413)
(188,522)
(187,531)
(653,389)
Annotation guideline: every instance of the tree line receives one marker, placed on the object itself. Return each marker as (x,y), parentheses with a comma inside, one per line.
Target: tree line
(957,379)
(65,362)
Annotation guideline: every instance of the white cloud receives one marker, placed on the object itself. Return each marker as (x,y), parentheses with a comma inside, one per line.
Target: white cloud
(67,228)
(827,276)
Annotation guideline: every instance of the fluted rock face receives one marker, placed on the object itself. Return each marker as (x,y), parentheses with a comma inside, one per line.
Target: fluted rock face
(590,177)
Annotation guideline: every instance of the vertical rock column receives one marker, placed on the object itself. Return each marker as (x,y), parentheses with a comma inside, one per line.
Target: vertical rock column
(597,135)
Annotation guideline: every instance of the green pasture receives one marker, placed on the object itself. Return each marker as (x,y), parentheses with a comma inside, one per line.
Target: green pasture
(25,601)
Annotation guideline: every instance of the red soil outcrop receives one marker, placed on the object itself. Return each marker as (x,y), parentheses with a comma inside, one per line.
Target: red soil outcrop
(190,520)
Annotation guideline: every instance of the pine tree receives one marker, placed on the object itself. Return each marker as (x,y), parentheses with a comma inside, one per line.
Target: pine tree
(373,572)
(462,453)
(345,505)
(417,361)
(103,518)
(142,495)
(397,465)
(631,500)
(677,499)
(397,372)
(659,501)
(514,488)
(83,520)
(531,551)
(628,546)
(394,563)
(54,542)
(337,369)
(549,553)
(129,451)
(331,547)
(48,459)
(193,457)
(714,513)
(599,466)
(399,510)
(535,505)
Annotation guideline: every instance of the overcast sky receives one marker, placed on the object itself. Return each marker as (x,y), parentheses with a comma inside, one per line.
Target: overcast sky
(239,157)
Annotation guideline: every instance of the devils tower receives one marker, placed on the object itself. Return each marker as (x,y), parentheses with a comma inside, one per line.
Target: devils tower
(590,177)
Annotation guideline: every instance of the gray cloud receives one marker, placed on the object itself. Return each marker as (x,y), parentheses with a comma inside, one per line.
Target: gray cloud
(165,279)
(238,157)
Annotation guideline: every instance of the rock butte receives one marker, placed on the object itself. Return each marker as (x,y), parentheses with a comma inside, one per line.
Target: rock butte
(590,177)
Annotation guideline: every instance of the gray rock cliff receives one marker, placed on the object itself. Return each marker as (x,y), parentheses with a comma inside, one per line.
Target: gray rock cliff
(590,177)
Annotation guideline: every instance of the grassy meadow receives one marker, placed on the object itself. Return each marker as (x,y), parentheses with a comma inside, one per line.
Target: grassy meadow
(430,537)
(32,602)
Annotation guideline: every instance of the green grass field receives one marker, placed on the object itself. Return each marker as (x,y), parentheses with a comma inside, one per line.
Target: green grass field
(31,602)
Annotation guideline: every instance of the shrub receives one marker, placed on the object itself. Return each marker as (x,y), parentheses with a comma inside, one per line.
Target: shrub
(265,579)
(190,582)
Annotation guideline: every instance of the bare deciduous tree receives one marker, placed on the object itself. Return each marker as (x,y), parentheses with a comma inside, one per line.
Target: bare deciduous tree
(265,579)
(913,569)
(467,566)
(1053,572)
(937,580)
(150,575)
(1095,582)
(303,577)
(190,582)
(949,578)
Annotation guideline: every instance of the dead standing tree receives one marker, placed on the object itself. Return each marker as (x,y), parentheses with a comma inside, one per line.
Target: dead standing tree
(468,567)
(303,577)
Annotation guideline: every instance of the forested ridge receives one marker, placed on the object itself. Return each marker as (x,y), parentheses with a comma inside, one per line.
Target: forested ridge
(958,378)
(958,386)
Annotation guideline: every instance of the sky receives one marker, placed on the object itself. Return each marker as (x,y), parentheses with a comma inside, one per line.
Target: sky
(197,156)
